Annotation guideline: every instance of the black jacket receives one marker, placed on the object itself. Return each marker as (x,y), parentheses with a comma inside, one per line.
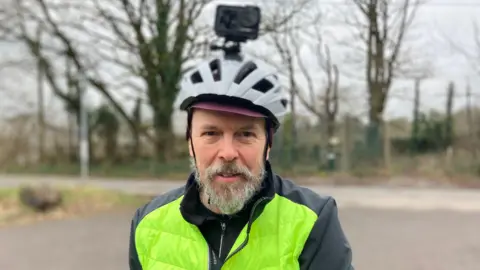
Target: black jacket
(327,247)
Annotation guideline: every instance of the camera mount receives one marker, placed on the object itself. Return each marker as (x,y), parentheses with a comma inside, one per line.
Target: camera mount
(231,51)
(236,24)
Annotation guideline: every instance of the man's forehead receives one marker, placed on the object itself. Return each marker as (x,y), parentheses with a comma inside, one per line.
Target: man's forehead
(204,119)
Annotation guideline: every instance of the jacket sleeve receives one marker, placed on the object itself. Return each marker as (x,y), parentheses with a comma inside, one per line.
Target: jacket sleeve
(327,247)
(134,261)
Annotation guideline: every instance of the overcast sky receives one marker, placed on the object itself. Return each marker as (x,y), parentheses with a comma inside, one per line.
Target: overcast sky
(436,18)
(441,18)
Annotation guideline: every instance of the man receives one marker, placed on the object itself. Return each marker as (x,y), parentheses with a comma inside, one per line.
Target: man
(234,212)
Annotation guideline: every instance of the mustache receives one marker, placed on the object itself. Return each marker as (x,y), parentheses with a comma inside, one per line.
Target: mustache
(229,168)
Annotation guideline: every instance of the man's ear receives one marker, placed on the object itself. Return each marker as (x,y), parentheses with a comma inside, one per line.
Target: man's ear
(268,153)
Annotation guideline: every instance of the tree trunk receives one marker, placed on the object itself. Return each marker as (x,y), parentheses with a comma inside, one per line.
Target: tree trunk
(136,147)
(163,135)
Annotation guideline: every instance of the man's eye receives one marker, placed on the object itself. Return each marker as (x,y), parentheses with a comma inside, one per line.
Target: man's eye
(209,133)
(247,134)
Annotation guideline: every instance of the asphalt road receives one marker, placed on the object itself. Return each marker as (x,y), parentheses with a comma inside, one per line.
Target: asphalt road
(395,229)
(394,240)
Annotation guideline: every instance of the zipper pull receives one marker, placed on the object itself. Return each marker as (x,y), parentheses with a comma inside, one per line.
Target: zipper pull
(224,226)
(214,257)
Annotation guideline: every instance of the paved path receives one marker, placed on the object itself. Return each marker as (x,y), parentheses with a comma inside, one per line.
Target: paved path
(95,243)
(395,229)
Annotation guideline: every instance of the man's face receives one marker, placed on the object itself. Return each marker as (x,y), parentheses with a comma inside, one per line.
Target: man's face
(229,157)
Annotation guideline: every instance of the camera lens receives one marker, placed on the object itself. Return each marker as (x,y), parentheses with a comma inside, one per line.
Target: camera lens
(228,19)
(249,17)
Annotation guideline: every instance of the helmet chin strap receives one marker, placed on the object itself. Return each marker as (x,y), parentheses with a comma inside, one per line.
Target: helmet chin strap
(268,133)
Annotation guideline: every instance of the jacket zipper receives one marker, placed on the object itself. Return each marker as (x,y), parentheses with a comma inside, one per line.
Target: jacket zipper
(212,258)
(224,226)
(249,226)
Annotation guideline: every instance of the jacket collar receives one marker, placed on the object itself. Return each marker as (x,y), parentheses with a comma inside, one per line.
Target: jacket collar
(195,212)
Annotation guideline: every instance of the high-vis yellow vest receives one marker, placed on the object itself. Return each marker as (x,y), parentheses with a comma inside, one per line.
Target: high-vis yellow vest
(165,241)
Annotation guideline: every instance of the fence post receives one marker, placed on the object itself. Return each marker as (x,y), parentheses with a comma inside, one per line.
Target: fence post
(386,146)
(346,145)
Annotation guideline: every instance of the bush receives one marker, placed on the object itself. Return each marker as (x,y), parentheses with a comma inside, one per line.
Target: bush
(40,198)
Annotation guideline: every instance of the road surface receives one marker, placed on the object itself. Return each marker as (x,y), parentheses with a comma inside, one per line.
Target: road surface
(394,240)
(393,229)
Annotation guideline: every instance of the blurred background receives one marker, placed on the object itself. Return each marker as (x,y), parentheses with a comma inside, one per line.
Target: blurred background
(383,114)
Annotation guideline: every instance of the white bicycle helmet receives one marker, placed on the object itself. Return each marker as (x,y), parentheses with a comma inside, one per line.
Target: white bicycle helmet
(247,84)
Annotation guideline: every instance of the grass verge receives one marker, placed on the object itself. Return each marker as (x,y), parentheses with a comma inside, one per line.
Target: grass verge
(78,201)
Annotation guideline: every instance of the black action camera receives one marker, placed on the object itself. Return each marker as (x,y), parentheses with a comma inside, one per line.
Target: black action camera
(236,24)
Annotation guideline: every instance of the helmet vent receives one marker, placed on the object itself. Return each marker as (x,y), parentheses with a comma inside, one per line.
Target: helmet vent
(248,68)
(196,78)
(263,86)
(215,68)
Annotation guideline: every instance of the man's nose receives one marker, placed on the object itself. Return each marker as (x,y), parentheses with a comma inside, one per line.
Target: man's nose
(228,150)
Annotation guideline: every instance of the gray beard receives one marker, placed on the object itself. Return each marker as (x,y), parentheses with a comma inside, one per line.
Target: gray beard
(228,198)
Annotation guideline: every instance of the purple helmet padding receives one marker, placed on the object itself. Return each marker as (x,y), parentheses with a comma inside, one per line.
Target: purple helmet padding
(227,108)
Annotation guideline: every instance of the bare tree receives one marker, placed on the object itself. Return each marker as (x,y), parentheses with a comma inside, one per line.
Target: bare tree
(148,40)
(382,26)
(41,105)
(321,99)
(304,58)
(379,44)
(164,38)
(148,44)
(173,38)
